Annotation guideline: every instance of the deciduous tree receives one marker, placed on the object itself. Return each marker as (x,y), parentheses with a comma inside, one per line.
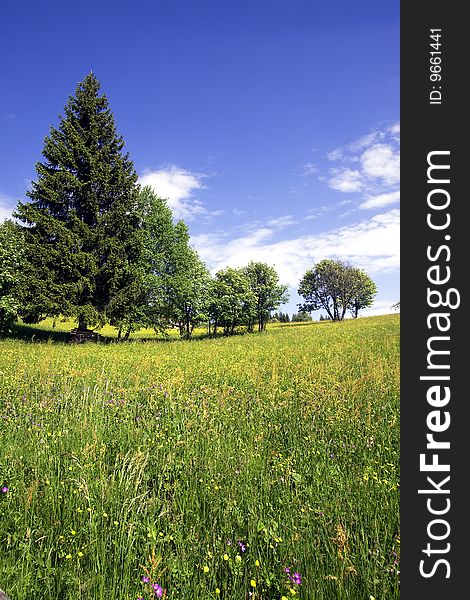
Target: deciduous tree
(269,294)
(11,269)
(336,286)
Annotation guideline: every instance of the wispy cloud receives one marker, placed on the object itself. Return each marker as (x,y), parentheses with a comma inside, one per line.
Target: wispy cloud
(381,200)
(370,165)
(177,185)
(346,180)
(281,222)
(7,206)
(371,244)
(308,169)
(380,161)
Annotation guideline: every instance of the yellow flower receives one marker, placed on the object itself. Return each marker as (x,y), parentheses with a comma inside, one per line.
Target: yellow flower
(257,563)
(238,558)
(115,522)
(225,556)
(217,591)
(68,556)
(80,554)
(206,569)
(73,532)
(253,583)
(284,598)
(292,591)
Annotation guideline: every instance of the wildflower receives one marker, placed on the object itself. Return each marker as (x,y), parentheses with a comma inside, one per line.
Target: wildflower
(253,583)
(292,591)
(284,598)
(257,563)
(296,578)
(5,489)
(217,591)
(73,532)
(145,579)
(80,554)
(286,570)
(206,569)
(225,556)
(158,590)
(68,556)
(238,558)
(242,546)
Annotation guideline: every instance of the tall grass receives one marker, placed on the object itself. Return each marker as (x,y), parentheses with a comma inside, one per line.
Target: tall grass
(215,468)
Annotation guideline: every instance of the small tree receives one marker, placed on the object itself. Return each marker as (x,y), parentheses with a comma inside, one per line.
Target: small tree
(269,294)
(364,292)
(11,267)
(335,286)
(232,301)
(301,317)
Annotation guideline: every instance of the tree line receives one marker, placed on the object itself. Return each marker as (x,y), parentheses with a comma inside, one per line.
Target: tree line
(92,244)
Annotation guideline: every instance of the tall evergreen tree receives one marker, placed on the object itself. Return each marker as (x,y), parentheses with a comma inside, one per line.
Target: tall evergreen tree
(81,238)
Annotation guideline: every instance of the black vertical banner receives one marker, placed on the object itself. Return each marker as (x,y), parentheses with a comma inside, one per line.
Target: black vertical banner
(435,435)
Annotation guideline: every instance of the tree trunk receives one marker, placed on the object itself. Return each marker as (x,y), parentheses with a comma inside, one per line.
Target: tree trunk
(82,324)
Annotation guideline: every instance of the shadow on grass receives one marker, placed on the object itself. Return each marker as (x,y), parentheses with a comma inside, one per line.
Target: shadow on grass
(32,334)
(28,333)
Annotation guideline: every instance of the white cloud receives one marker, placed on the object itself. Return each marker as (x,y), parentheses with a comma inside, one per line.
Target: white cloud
(177,186)
(372,245)
(238,212)
(380,161)
(376,161)
(346,180)
(7,205)
(308,169)
(381,200)
(282,222)
(380,307)
(365,141)
(336,154)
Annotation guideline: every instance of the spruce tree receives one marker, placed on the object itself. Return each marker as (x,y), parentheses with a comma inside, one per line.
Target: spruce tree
(81,225)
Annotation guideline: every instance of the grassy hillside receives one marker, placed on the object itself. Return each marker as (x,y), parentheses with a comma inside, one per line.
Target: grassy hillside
(215,468)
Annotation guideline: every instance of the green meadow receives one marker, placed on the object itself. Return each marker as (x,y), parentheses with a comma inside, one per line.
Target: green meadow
(262,466)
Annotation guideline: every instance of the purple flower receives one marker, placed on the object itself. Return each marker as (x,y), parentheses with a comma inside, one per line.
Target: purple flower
(296,578)
(286,570)
(158,590)
(5,489)
(242,546)
(146,579)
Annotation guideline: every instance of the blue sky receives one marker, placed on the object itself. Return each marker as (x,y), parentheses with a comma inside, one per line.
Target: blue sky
(272,127)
